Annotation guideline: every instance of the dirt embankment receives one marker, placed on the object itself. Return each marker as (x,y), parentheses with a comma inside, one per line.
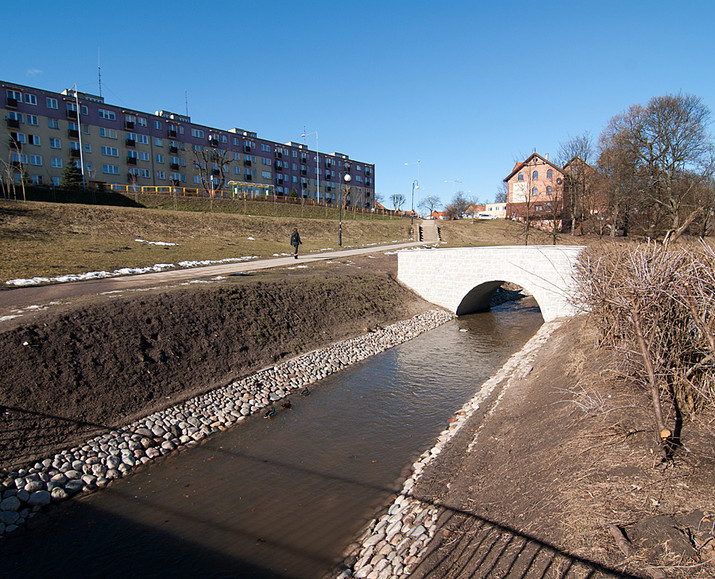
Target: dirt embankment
(68,373)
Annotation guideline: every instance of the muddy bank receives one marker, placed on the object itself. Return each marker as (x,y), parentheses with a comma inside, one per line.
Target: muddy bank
(71,373)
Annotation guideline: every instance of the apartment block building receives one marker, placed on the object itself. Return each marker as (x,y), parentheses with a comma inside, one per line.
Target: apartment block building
(115,145)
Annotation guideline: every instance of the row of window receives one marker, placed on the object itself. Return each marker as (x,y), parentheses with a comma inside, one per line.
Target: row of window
(535,175)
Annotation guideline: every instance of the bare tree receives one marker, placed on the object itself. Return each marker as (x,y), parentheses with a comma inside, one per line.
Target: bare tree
(502,193)
(575,156)
(431,202)
(665,152)
(398,200)
(457,207)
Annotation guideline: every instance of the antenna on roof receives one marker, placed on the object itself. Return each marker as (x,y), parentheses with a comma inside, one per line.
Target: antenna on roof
(99,73)
(186,100)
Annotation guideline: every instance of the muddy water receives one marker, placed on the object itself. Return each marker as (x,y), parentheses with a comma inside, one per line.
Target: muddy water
(280,497)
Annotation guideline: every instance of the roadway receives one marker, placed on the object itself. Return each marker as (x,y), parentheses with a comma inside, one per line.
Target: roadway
(18,298)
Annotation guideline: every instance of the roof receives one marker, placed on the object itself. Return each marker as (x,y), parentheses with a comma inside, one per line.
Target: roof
(518,166)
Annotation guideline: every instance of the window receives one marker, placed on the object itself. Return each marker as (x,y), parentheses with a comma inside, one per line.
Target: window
(534,192)
(33,139)
(550,174)
(158,142)
(174,160)
(224,139)
(132,154)
(32,120)
(159,158)
(109,133)
(175,176)
(133,171)
(12,115)
(73,126)
(535,175)
(88,147)
(142,123)
(110,151)
(520,177)
(53,123)
(30,99)
(110,169)
(197,133)
(549,190)
(266,174)
(235,141)
(143,139)
(237,170)
(157,125)
(144,156)
(108,115)
(161,175)
(131,137)
(265,148)
(56,162)
(56,181)
(197,179)
(19,158)
(130,119)
(13,94)
(55,143)
(236,156)
(265,161)
(74,146)
(19,138)
(36,160)
(36,179)
(145,173)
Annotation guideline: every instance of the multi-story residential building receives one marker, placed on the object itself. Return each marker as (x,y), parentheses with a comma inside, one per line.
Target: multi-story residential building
(115,145)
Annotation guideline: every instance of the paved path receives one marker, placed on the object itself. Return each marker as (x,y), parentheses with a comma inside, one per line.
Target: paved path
(11,299)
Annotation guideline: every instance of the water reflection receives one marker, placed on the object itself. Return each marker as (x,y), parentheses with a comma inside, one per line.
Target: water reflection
(285,496)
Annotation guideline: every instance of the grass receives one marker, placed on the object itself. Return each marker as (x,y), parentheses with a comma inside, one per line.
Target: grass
(51,239)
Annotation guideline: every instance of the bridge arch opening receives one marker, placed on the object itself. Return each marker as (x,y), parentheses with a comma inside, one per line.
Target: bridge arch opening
(479,298)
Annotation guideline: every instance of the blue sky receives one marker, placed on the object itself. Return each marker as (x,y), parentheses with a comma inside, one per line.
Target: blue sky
(466,87)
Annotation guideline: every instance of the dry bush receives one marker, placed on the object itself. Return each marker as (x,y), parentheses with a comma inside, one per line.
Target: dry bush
(653,304)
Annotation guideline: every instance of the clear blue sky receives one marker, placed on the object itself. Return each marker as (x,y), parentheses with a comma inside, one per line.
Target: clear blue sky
(466,87)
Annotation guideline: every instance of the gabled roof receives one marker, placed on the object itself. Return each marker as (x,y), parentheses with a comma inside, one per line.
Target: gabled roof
(519,166)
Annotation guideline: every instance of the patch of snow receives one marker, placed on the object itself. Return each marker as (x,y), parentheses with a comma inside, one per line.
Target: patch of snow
(6,318)
(155,242)
(251,238)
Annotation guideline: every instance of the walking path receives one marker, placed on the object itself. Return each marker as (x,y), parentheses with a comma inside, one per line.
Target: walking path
(22,297)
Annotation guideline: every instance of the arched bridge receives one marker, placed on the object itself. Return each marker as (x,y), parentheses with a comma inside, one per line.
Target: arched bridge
(463,279)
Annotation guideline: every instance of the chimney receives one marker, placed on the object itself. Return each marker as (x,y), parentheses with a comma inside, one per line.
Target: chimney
(547,156)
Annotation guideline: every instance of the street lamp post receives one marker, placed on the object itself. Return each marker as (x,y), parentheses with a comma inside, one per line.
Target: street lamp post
(415,185)
(417,182)
(347,178)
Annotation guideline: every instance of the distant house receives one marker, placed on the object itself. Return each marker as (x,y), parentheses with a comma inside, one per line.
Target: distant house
(535,189)
(493,211)
(438,215)
(474,210)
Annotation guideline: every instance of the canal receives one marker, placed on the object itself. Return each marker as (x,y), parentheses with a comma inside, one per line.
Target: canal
(278,497)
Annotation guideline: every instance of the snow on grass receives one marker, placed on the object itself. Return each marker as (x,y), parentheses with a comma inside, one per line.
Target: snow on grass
(155,242)
(123,271)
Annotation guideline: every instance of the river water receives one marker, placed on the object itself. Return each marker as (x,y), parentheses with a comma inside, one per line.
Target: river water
(281,497)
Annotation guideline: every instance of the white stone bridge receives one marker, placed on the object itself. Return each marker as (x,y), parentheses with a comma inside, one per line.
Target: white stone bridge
(463,279)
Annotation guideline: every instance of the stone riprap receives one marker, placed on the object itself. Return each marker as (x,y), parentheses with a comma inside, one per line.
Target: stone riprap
(394,543)
(114,454)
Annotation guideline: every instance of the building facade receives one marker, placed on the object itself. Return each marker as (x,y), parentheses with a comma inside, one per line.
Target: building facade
(535,189)
(118,146)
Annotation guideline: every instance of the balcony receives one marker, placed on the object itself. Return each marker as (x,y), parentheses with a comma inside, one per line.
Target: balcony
(131,143)
(131,160)
(247,163)
(303,172)
(173,149)
(174,166)
(246,148)
(215,172)
(13,123)
(128,125)
(279,181)
(11,103)
(71,115)
(279,155)
(172,133)
(74,153)
(15,145)
(248,177)
(73,133)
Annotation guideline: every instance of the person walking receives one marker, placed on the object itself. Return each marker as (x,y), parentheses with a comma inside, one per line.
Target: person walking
(295,241)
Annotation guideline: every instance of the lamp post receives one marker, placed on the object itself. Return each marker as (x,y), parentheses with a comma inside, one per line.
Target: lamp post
(418,181)
(347,178)
(317,162)
(415,185)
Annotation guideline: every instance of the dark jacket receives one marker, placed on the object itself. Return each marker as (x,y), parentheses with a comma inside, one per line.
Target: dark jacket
(295,238)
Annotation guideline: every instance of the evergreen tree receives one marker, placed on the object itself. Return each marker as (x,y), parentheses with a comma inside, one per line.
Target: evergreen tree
(71,175)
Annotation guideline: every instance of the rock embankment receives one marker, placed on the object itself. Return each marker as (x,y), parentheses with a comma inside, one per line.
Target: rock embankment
(394,542)
(114,454)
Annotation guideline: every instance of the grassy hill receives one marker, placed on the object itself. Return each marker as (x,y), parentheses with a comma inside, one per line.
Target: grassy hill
(50,239)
